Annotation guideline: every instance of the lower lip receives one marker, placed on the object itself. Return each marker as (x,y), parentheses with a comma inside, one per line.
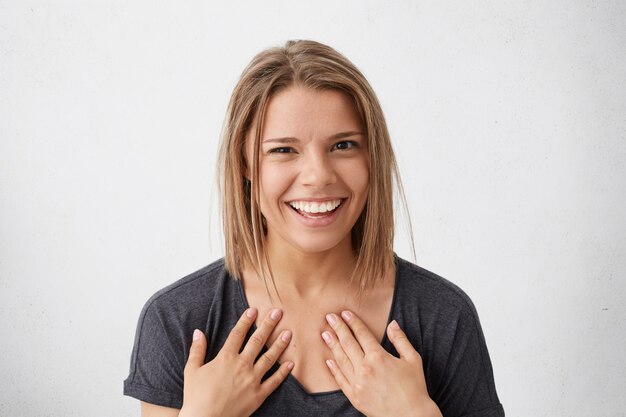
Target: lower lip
(317,222)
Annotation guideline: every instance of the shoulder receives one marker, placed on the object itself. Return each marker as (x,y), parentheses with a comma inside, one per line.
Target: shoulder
(164,332)
(433,309)
(190,292)
(428,289)
(439,317)
(184,305)
(441,321)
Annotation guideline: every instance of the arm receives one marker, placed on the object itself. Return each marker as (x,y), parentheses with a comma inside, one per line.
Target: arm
(151,410)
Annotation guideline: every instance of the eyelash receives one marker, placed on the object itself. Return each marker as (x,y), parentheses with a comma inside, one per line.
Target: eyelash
(285,149)
(352,144)
(279,150)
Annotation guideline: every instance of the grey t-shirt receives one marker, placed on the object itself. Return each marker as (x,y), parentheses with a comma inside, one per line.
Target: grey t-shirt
(437,316)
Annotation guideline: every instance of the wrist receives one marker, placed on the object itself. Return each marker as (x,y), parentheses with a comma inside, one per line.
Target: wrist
(187,412)
(423,409)
(430,410)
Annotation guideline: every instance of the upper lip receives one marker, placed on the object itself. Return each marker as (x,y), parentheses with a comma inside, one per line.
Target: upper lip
(317,200)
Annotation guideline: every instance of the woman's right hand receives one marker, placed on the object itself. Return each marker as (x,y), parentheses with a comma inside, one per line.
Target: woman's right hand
(230,384)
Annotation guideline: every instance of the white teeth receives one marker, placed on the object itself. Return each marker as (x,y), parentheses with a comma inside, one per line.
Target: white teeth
(315,207)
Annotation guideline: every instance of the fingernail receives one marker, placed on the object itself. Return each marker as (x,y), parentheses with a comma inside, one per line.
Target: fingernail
(275,314)
(286,336)
(329,363)
(326,337)
(394,325)
(331,319)
(196,334)
(346,315)
(290,366)
(250,312)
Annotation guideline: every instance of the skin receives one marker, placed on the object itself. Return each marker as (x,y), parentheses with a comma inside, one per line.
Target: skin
(301,160)
(321,334)
(312,147)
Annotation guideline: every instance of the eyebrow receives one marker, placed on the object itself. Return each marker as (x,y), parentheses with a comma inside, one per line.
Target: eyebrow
(291,139)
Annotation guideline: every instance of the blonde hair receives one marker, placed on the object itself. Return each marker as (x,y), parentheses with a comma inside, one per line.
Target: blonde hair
(317,66)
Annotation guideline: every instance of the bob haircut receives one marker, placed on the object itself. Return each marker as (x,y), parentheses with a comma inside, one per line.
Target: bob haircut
(316,66)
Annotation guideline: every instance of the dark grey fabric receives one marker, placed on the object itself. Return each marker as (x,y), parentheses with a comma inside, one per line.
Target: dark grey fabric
(438,318)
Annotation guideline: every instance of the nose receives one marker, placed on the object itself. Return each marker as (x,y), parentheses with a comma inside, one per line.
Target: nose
(317,170)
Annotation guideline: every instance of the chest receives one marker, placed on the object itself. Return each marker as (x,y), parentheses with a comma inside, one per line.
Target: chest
(306,319)
(307,350)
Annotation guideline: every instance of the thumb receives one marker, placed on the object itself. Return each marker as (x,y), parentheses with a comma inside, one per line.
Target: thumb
(400,341)
(197,352)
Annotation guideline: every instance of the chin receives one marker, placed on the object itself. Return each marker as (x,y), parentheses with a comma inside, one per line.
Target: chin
(317,247)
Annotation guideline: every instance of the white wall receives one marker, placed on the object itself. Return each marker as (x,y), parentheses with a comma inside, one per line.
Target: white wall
(508,119)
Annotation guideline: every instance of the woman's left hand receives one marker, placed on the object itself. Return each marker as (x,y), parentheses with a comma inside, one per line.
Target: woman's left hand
(376,382)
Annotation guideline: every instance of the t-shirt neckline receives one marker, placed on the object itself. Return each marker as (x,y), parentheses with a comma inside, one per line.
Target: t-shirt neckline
(243,306)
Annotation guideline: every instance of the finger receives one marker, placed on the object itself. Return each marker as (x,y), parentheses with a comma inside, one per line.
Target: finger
(349,344)
(197,352)
(267,360)
(341,359)
(362,334)
(238,334)
(258,338)
(340,378)
(401,342)
(270,384)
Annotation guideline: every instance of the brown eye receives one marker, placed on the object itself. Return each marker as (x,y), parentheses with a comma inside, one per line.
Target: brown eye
(345,145)
(281,150)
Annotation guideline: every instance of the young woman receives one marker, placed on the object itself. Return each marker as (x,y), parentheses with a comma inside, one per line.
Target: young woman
(310,313)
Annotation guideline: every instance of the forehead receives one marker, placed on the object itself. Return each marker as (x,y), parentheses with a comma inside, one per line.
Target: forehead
(306,113)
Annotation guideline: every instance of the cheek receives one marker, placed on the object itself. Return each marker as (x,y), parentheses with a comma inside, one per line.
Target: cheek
(358,177)
(273,183)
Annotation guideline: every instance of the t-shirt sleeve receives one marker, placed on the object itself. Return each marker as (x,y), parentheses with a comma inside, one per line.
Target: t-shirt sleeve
(465,386)
(157,362)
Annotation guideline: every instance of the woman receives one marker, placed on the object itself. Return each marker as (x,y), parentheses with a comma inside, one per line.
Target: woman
(310,313)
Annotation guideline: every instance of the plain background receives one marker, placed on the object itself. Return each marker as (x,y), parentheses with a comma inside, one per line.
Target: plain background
(508,120)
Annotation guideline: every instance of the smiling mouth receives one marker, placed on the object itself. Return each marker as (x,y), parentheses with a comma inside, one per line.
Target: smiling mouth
(314,209)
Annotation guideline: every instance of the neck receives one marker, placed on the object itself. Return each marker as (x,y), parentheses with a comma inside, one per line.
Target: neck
(300,276)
